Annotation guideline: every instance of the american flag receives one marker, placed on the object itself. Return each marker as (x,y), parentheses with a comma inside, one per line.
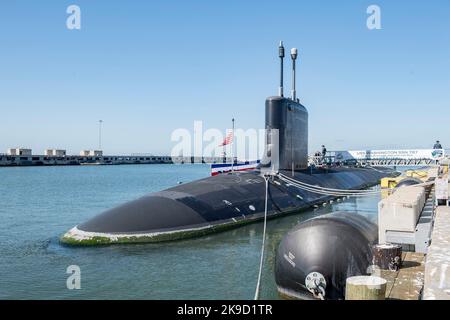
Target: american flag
(228,139)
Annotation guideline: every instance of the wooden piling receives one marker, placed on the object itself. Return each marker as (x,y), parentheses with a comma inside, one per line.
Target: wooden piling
(365,288)
(387,256)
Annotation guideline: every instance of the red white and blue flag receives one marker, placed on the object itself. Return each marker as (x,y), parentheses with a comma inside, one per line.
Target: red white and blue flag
(228,140)
(219,168)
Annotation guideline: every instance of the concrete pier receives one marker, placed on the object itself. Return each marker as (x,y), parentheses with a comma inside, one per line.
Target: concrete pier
(437,266)
(45,160)
(423,230)
(407,282)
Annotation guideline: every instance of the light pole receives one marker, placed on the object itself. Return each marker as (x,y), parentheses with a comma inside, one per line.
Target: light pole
(100,134)
(232,147)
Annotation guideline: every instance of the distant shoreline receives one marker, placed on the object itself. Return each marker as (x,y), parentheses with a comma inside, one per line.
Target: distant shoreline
(40,160)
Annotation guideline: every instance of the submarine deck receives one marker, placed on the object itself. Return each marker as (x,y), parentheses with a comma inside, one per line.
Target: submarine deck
(213,204)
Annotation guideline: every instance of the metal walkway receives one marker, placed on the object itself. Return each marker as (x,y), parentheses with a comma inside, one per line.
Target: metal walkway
(398,162)
(332,158)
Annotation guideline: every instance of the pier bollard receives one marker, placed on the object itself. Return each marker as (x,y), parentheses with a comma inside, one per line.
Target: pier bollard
(365,288)
(387,256)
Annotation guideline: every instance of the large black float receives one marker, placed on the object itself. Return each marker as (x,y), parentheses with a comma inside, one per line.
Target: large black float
(316,257)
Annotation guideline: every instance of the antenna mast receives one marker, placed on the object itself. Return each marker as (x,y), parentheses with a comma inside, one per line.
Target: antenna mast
(281,55)
(294,57)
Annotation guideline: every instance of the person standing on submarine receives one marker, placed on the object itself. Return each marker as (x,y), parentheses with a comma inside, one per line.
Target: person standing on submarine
(437,145)
(324,153)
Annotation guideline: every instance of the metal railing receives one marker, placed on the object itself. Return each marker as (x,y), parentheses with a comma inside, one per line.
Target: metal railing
(330,159)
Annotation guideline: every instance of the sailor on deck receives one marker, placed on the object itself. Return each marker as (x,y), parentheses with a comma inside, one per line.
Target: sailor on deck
(324,153)
(437,145)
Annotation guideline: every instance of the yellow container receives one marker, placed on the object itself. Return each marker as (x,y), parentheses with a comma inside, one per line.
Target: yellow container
(389,183)
(417,174)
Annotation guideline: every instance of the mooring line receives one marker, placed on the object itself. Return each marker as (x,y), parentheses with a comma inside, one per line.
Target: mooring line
(328,191)
(266,178)
(306,185)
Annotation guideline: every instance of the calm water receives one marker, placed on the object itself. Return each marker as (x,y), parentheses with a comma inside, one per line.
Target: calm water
(38,204)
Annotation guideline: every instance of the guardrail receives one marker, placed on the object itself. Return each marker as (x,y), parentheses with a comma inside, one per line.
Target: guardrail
(330,158)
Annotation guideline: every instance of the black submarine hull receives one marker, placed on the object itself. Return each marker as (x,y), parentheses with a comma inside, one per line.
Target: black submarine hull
(214,204)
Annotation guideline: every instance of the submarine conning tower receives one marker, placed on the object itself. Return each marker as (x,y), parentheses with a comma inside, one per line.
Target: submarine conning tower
(290,118)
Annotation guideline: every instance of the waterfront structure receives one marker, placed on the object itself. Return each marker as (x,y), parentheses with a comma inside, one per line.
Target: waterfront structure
(18,152)
(315,258)
(50,160)
(54,153)
(91,153)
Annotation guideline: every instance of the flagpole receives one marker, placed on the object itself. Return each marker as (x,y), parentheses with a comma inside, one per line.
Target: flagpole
(232,146)
(224,155)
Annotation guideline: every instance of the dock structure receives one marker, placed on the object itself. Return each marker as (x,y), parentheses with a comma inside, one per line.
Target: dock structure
(396,162)
(96,158)
(406,217)
(407,282)
(386,158)
(437,266)
(425,273)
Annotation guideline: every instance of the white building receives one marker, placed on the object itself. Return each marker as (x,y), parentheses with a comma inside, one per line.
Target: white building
(18,152)
(91,153)
(55,153)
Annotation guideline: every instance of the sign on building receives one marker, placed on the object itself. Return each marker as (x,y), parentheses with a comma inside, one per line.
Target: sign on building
(428,154)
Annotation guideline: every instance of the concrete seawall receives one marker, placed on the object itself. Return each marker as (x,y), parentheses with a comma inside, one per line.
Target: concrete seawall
(437,265)
(422,229)
(40,160)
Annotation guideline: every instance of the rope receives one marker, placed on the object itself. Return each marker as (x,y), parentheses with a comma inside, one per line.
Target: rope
(292,181)
(325,188)
(335,194)
(380,171)
(319,296)
(423,184)
(328,191)
(263,241)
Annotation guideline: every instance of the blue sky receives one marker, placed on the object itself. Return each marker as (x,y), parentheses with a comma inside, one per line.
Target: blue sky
(147,68)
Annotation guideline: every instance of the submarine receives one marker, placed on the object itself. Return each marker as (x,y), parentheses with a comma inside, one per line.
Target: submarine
(232,199)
